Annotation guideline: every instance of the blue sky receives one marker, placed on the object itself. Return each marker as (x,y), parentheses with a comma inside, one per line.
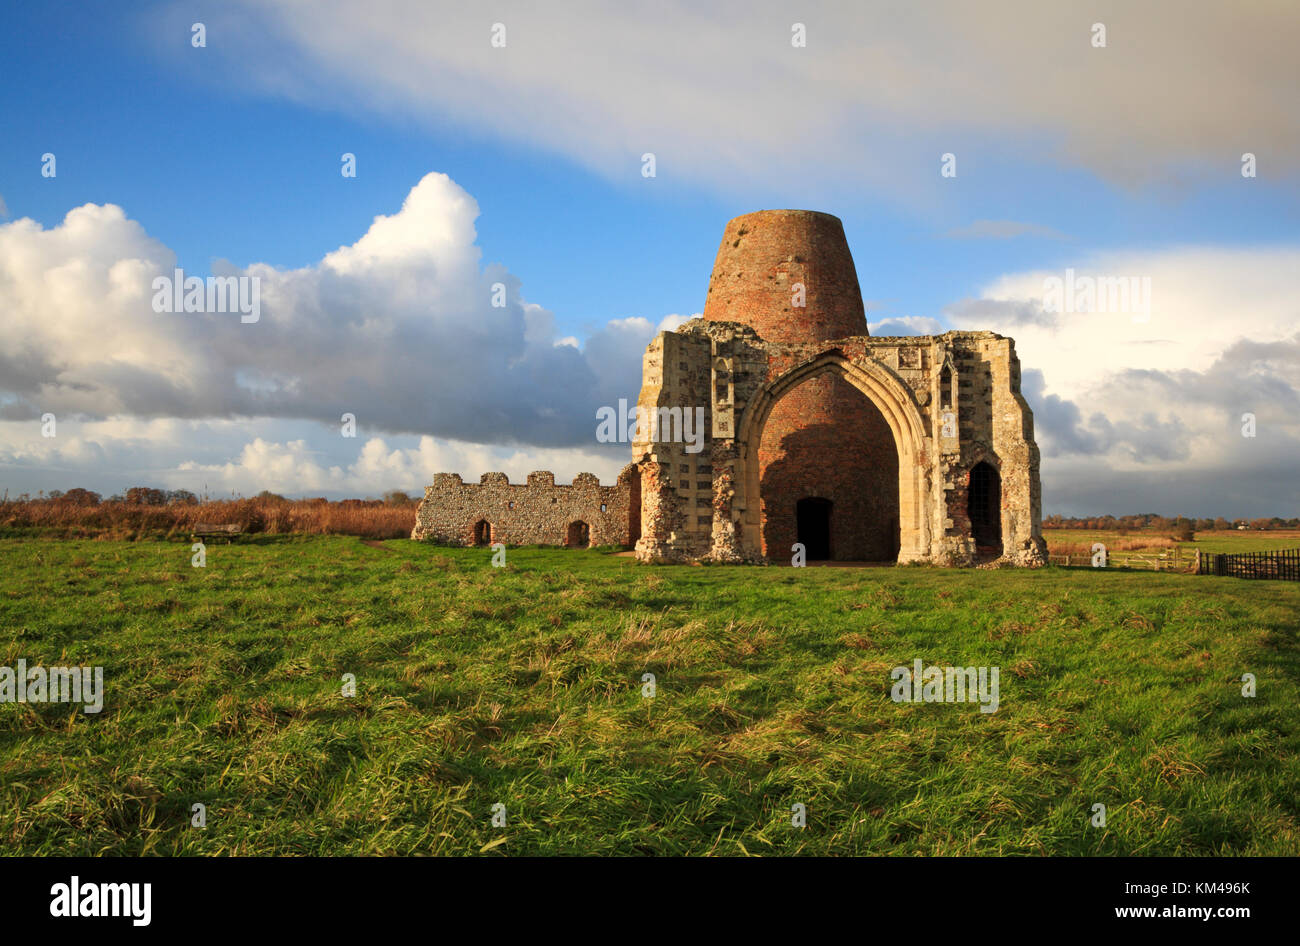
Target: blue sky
(232,152)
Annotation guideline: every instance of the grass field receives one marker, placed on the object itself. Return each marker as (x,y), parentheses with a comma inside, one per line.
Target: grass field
(522,686)
(1231,541)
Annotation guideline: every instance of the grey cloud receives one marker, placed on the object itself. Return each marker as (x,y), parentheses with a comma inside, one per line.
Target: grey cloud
(982,312)
(1066,428)
(873,90)
(906,325)
(1265,487)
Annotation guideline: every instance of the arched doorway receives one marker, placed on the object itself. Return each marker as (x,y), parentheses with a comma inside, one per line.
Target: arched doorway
(813,527)
(482,532)
(984,505)
(579,535)
(894,400)
(828,466)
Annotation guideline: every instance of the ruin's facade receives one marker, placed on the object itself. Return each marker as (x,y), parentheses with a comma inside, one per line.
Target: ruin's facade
(907,449)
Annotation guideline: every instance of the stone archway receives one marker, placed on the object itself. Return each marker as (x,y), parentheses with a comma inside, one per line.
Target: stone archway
(826,439)
(887,392)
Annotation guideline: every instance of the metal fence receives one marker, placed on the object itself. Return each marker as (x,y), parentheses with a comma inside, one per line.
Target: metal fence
(1284,564)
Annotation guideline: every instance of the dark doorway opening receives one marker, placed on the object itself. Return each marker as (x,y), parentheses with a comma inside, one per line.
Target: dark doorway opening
(482,532)
(579,536)
(813,527)
(984,503)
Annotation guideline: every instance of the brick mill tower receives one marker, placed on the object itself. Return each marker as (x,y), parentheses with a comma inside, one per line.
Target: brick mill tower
(826,457)
(917,448)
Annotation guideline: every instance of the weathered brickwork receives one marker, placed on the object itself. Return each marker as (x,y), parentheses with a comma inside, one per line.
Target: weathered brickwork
(909,449)
(765,255)
(537,513)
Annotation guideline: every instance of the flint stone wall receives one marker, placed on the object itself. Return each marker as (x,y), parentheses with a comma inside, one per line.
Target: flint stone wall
(538,512)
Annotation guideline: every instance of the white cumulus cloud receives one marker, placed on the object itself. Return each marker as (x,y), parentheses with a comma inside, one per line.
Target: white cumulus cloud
(398,328)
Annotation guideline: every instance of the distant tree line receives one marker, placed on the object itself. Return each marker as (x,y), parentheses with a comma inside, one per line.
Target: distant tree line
(149,496)
(149,512)
(1150,522)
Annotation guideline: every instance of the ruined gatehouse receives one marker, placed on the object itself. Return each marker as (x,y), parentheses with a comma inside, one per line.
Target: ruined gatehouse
(893,449)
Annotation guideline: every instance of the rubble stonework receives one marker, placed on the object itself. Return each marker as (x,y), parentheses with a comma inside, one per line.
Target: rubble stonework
(539,512)
(907,449)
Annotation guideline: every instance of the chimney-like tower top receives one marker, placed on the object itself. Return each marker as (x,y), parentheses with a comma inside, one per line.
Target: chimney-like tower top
(762,259)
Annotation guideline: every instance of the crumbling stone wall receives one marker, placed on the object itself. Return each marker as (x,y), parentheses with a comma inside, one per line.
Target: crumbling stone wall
(537,513)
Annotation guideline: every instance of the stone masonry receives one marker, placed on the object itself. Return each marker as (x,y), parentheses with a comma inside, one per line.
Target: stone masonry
(537,513)
(906,449)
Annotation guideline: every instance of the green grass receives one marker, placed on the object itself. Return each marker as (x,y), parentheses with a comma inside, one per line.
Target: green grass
(1244,541)
(1234,541)
(522,686)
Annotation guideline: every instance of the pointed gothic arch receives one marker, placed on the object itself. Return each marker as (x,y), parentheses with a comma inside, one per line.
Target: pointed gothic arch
(891,396)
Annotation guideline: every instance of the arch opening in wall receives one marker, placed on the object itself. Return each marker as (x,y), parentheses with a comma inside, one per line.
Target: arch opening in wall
(825,440)
(984,505)
(482,532)
(906,430)
(578,536)
(813,527)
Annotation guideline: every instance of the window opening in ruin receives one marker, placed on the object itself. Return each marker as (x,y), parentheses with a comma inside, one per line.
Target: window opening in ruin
(813,526)
(482,532)
(945,387)
(984,503)
(579,536)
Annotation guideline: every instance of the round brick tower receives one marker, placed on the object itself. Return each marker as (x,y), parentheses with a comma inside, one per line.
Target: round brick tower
(764,255)
(828,465)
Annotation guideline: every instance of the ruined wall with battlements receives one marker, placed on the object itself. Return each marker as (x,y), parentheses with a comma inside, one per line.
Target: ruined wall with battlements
(539,512)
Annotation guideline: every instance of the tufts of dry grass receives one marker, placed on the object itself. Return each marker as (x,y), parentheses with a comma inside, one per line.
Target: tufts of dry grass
(119,520)
(1113,544)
